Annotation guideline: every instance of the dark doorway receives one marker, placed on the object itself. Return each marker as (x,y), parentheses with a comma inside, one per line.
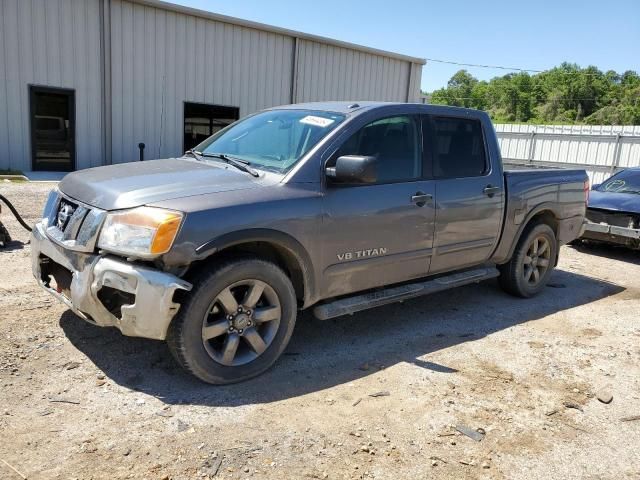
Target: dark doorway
(202,120)
(52,129)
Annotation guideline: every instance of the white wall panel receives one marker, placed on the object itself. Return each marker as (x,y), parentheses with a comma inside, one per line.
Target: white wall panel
(330,72)
(158,56)
(54,43)
(161,59)
(599,149)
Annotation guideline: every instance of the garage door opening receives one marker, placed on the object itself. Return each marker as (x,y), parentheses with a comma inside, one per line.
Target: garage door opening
(52,129)
(202,120)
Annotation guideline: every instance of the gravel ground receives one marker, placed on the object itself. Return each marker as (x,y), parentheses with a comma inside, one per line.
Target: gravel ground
(77,401)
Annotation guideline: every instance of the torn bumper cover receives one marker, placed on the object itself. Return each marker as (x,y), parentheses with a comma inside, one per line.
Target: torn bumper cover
(107,291)
(611,233)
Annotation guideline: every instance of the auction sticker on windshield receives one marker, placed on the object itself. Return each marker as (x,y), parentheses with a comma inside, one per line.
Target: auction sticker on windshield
(317,121)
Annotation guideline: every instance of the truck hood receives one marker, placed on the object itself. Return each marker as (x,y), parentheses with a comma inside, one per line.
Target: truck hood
(622,202)
(129,185)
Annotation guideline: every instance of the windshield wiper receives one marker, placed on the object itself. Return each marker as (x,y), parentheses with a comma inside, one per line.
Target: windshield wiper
(239,164)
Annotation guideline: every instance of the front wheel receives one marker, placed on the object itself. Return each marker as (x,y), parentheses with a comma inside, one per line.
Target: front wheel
(526,274)
(235,323)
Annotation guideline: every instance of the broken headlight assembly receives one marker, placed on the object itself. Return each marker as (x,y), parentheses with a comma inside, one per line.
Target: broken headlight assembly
(143,232)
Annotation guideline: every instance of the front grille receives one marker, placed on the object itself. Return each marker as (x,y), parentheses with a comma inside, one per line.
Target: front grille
(65,213)
(616,219)
(73,224)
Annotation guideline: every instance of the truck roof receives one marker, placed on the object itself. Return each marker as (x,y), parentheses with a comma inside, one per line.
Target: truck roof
(345,107)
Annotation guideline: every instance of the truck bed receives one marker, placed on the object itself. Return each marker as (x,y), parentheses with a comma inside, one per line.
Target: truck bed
(532,191)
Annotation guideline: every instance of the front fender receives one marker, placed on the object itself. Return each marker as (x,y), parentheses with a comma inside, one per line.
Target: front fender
(281,240)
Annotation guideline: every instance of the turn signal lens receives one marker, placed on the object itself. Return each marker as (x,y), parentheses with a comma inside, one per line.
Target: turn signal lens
(166,233)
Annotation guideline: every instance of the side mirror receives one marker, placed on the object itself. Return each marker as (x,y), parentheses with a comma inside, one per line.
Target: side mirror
(593,187)
(354,169)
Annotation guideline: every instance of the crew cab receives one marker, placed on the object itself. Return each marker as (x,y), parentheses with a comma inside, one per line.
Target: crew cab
(334,206)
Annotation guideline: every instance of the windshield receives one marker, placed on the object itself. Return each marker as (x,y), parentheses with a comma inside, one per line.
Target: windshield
(274,140)
(627,181)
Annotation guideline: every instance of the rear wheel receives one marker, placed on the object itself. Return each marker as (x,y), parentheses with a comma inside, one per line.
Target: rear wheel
(526,274)
(235,323)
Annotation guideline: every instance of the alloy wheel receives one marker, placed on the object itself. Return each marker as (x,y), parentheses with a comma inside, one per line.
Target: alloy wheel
(241,322)
(537,260)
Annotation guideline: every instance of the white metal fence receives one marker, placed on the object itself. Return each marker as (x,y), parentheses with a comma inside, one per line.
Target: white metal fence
(600,150)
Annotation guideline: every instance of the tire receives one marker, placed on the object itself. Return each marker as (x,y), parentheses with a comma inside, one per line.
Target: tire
(526,275)
(219,344)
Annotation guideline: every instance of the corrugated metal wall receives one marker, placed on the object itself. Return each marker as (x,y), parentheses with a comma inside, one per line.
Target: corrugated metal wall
(133,64)
(336,73)
(160,59)
(54,43)
(599,149)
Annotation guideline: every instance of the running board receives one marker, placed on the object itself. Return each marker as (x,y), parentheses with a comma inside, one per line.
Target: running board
(350,305)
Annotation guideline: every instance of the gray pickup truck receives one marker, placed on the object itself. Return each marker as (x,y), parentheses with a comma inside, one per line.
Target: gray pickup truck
(336,206)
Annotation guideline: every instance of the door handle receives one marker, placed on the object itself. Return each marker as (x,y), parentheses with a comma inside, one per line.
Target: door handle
(421,198)
(490,190)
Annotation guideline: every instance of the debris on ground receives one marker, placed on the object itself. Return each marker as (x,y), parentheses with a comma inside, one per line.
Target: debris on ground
(165,413)
(573,405)
(64,400)
(604,396)
(210,467)
(383,393)
(632,418)
(476,435)
(24,477)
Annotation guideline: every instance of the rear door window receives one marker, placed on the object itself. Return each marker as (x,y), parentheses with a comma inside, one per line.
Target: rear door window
(457,148)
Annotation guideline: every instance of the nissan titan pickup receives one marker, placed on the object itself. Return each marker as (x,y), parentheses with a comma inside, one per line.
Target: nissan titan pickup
(335,207)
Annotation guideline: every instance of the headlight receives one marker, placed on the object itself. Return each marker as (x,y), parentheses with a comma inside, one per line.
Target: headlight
(142,232)
(49,207)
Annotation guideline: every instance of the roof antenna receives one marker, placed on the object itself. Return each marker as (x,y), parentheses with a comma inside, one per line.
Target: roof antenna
(353,105)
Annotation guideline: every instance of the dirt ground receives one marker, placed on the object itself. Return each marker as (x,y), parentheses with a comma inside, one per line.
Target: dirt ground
(77,401)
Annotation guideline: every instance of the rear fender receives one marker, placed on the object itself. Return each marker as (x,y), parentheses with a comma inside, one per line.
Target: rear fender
(505,249)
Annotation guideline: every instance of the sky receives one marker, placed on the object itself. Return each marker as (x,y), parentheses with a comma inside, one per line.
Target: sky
(532,35)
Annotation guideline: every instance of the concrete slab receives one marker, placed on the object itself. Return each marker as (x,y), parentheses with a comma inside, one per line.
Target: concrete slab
(45,176)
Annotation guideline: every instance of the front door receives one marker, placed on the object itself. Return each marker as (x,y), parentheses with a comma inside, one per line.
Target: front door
(52,129)
(469,194)
(379,234)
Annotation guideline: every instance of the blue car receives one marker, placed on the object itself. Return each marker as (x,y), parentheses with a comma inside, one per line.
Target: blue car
(613,212)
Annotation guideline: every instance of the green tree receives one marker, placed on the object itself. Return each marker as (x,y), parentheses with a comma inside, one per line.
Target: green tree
(564,94)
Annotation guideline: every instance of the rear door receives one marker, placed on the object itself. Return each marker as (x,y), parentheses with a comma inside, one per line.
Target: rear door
(468,190)
(379,234)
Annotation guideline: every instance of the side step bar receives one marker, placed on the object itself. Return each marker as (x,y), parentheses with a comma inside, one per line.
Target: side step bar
(350,305)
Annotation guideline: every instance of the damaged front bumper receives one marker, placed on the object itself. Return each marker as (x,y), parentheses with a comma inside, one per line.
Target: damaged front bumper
(612,234)
(106,290)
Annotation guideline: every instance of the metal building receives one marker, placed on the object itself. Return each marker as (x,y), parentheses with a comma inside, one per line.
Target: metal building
(83,82)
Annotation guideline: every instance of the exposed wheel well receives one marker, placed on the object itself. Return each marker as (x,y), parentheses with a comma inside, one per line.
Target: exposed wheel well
(271,252)
(545,216)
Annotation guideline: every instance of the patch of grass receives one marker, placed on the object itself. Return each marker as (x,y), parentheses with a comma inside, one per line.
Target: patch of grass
(10,172)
